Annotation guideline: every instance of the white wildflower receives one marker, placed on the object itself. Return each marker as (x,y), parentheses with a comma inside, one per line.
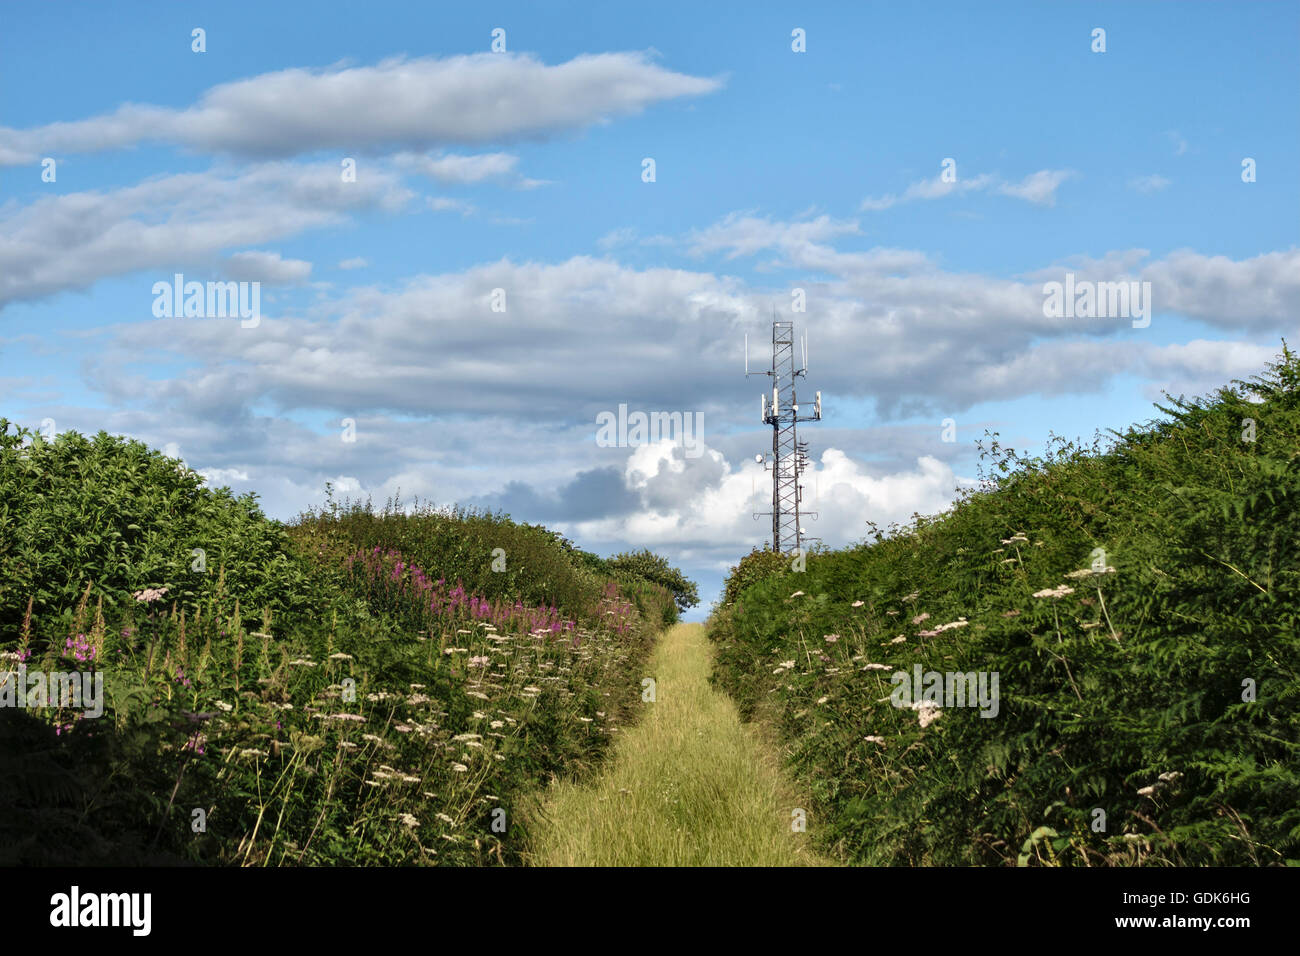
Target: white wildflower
(1057,592)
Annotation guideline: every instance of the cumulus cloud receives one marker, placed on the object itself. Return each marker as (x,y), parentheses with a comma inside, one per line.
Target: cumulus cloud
(1256,294)
(217,477)
(399,103)
(700,508)
(1259,293)
(70,241)
(888,328)
(269,267)
(1201,366)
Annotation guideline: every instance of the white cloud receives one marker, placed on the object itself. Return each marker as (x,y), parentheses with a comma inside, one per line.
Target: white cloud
(459,169)
(71,240)
(1039,188)
(1201,366)
(743,235)
(405,104)
(257,266)
(356,262)
(1262,292)
(885,327)
(216,477)
(935,188)
(701,508)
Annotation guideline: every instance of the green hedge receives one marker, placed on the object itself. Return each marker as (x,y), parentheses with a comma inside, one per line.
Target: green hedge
(115,515)
(1129,694)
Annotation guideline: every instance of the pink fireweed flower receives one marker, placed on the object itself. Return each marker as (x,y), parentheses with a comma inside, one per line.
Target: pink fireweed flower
(81,648)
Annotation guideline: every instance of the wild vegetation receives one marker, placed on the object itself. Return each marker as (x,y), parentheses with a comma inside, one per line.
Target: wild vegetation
(397,685)
(1139,601)
(361,686)
(689,785)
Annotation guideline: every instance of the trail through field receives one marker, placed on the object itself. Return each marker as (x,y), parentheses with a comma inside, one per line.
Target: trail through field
(688,785)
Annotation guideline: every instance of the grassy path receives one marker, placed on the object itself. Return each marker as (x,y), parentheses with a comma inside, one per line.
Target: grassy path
(688,785)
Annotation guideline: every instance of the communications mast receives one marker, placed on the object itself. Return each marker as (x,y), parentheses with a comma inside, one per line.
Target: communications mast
(789,456)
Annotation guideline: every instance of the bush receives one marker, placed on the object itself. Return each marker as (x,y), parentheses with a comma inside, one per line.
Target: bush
(654,568)
(1140,602)
(758,565)
(114,516)
(486,552)
(358,688)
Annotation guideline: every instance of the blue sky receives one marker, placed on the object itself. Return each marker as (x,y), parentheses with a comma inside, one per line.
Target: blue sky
(522,171)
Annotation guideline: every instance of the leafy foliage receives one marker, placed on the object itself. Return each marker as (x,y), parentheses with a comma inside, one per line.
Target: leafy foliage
(655,568)
(1139,600)
(461,544)
(120,517)
(358,688)
(758,565)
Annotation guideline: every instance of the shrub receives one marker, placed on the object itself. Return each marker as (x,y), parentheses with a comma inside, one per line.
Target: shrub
(117,517)
(1139,600)
(758,565)
(654,568)
(357,688)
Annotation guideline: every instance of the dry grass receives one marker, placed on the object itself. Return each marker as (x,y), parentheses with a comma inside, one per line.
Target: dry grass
(689,785)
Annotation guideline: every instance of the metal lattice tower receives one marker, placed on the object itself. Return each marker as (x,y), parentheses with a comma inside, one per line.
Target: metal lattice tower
(789,456)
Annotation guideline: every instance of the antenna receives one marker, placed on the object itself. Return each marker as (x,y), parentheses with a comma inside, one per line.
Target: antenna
(789,455)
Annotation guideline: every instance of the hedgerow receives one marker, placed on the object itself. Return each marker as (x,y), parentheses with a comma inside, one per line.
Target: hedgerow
(1139,600)
(358,687)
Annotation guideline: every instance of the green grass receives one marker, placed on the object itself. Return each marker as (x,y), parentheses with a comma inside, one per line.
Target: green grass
(1163,694)
(689,785)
